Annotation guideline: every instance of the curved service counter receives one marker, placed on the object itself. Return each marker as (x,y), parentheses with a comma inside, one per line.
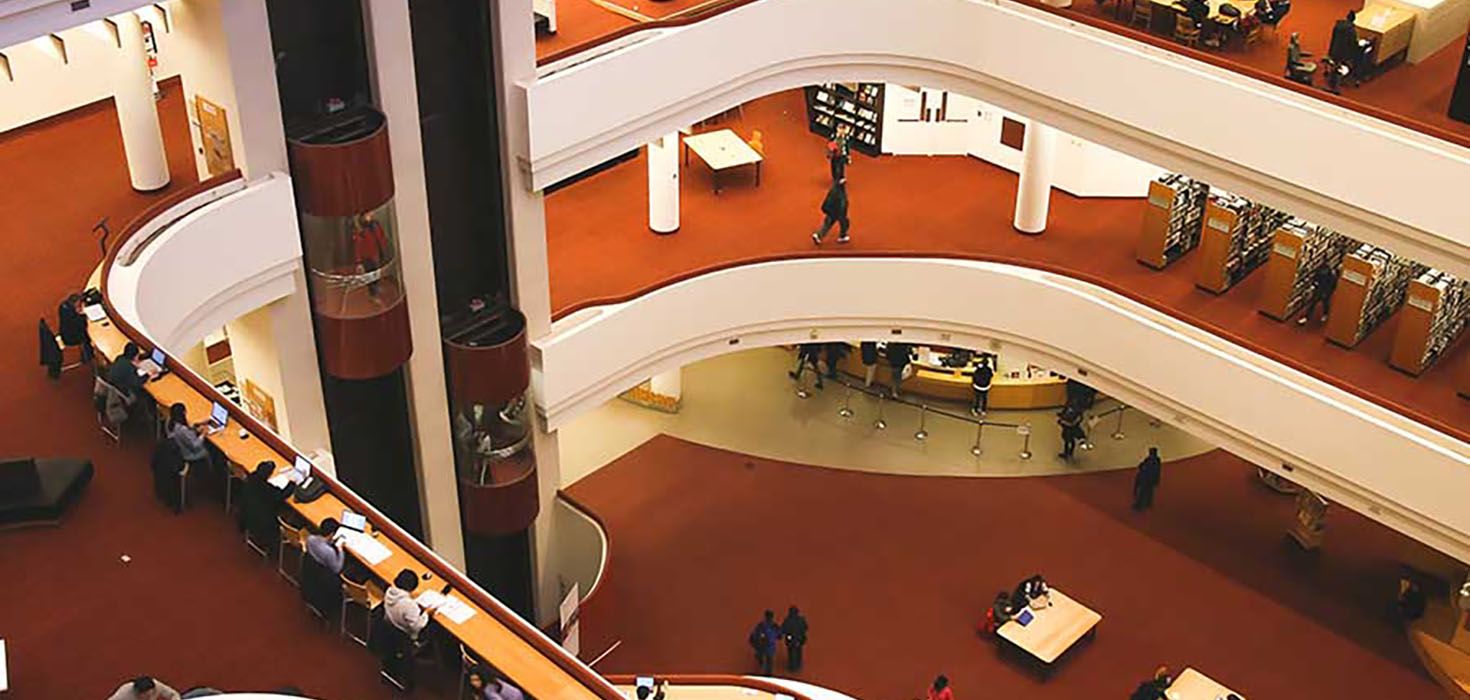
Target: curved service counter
(945,373)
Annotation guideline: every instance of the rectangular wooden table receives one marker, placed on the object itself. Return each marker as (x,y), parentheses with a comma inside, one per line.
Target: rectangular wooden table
(482,633)
(722,150)
(1193,685)
(1054,630)
(1389,28)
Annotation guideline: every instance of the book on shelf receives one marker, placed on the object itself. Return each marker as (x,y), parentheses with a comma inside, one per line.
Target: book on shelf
(857,105)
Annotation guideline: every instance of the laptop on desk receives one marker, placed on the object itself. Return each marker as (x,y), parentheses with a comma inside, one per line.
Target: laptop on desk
(219,417)
(354,521)
(155,364)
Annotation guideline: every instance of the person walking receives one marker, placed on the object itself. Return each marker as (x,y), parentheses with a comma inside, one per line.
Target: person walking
(763,641)
(869,351)
(980,385)
(899,357)
(832,354)
(806,356)
(1324,283)
(794,629)
(1070,420)
(1146,480)
(838,152)
(834,211)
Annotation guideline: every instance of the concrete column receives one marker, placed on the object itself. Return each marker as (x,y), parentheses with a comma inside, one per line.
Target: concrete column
(301,378)
(137,112)
(1033,192)
(390,39)
(668,383)
(252,68)
(663,184)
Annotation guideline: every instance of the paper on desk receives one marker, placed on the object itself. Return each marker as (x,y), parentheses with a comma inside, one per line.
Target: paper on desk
(281,480)
(367,548)
(430,599)
(456,611)
(95,312)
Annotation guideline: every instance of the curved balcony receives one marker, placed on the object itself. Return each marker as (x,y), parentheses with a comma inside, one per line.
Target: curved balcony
(1056,68)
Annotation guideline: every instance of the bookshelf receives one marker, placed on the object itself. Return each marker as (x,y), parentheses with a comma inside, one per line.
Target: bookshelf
(1298,250)
(1435,307)
(1235,239)
(1370,288)
(859,105)
(1171,219)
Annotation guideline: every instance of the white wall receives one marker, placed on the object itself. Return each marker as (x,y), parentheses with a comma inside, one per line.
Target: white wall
(194,50)
(1148,102)
(1398,471)
(972,127)
(253,350)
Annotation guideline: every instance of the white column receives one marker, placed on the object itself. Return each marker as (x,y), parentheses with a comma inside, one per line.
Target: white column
(514,46)
(252,67)
(668,383)
(1033,192)
(137,113)
(391,44)
(301,377)
(663,184)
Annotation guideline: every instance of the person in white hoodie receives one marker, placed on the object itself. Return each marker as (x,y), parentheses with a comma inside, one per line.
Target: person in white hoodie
(401,609)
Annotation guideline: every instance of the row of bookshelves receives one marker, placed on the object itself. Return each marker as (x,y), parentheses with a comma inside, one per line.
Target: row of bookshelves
(857,105)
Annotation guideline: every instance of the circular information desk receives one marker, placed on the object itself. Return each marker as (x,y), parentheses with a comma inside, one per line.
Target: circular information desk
(1015,386)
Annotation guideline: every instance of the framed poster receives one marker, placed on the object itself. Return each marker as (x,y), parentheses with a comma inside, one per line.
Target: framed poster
(214,136)
(260,404)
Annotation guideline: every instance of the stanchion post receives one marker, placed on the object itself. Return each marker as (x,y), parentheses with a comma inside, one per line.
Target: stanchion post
(1025,430)
(922,433)
(979,432)
(1118,429)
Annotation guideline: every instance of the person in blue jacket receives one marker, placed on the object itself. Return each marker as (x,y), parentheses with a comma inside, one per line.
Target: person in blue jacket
(763,641)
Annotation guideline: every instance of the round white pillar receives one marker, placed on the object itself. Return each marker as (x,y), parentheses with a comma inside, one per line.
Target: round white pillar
(1033,192)
(670,383)
(663,184)
(137,112)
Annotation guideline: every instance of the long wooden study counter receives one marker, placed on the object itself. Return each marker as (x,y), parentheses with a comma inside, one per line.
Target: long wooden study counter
(492,632)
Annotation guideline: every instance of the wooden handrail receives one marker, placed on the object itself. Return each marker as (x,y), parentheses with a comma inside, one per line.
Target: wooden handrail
(702,12)
(503,615)
(759,684)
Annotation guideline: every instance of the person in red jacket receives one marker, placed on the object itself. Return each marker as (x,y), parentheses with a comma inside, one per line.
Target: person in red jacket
(369,248)
(941,690)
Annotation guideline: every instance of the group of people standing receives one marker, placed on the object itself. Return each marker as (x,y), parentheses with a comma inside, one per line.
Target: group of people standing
(763,639)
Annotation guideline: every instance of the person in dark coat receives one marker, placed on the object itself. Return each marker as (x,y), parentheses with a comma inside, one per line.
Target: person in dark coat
(50,351)
(72,328)
(124,374)
(980,386)
(1146,480)
(899,357)
(807,355)
(1324,283)
(869,351)
(832,354)
(1344,49)
(1154,688)
(793,630)
(1070,420)
(834,211)
(763,641)
(260,504)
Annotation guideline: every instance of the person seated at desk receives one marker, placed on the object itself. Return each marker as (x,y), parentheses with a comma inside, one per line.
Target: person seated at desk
(188,438)
(144,688)
(326,545)
(1197,10)
(125,375)
(401,610)
(1154,688)
(488,685)
(656,692)
(1000,612)
(71,325)
(260,503)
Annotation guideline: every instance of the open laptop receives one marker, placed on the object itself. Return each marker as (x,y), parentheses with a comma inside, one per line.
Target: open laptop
(219,417)
(300,471)
(354,521)
(155,364)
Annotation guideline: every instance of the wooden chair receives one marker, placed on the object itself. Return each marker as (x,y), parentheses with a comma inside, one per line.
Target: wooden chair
(757,142)
(467,663)
(1186,31)
(359,595)
(1143,14)
(293,538)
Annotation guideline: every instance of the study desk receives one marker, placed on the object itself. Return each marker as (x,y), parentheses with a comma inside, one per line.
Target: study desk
(722,150)
(1193,685)
(1171,8)
(1389,28)
(482,633)
(1054,630)
(1437,24)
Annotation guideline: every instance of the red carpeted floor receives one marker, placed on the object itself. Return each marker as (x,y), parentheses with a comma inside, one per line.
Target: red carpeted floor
(600,248)
(893,572)
(1417,92)
(194,607)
